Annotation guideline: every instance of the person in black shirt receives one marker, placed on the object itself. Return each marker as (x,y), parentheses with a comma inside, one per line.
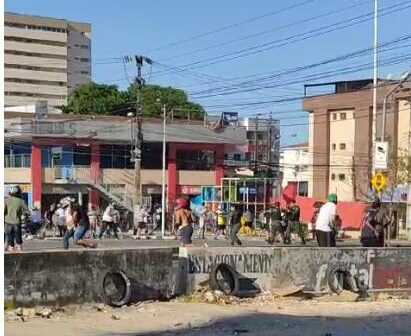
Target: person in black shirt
(374,224)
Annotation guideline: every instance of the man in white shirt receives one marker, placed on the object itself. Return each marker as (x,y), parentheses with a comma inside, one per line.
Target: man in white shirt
(325,223)
(142,217)
(107,220)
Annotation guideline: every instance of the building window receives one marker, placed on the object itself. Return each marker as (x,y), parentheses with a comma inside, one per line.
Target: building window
(343,116)
(342,146)
(84,59)
(333,177)
(303,189)
(195,160)
(341,177)
(152,155)
(83,46)
(333,146)
(334,116)
(115,156)
(81,156)
(237,157)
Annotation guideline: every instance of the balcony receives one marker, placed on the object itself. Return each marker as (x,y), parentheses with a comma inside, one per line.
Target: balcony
(17,161)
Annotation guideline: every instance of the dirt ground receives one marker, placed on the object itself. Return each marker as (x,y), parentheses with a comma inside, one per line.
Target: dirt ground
(282,317)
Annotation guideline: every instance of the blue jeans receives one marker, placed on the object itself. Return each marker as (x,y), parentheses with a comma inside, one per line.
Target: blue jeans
(77,235)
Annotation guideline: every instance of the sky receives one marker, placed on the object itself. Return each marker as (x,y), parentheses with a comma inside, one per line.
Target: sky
(237,55)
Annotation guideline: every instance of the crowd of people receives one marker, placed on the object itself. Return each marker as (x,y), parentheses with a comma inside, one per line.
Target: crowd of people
(68,220)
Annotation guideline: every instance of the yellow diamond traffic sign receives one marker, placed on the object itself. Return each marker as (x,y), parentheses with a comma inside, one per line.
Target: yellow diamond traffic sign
(379,182)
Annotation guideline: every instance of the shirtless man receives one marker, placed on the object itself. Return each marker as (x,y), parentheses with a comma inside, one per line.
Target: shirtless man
(184,219)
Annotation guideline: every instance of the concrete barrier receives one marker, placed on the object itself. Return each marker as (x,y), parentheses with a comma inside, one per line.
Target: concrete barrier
(76,276)
(381,269)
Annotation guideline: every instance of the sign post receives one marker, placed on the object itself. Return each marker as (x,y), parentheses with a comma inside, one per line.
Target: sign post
(381,155)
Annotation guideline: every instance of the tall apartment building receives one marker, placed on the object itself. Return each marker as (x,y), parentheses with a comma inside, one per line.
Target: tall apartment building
(341,136)
(44,59)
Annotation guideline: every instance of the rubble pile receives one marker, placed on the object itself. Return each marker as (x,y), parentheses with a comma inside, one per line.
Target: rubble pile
(206,295)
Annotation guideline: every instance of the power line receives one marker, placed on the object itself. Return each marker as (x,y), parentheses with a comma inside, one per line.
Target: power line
(292,39)
(237,24)
(275,29)
(346,56)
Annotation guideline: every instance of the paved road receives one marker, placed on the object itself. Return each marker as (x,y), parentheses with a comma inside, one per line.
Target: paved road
(56,244)
(129,242)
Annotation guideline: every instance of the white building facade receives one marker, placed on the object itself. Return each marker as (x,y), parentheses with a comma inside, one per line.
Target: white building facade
(295,163)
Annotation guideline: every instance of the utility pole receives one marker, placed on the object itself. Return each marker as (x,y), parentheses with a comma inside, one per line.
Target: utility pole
(375,84)
(163,181)
(256,145)
(408,218)
(270,141)
(137,137)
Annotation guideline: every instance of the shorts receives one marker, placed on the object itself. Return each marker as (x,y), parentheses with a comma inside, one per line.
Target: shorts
(249,224)
(186,233)
(141,225)
(221,227)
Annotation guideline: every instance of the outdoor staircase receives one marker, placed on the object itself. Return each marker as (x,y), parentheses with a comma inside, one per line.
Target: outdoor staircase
(109,188)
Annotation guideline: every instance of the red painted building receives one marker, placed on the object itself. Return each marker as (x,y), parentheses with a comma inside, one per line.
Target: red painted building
(89,158)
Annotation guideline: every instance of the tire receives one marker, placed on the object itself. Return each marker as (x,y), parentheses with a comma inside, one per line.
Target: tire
(116,288)
(224,278)
(346,277)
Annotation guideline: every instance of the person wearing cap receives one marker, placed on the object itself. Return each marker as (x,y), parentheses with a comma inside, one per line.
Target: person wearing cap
(60,217)
(274,221)
(374,223)
(326,222)
(184,219)
(14,210)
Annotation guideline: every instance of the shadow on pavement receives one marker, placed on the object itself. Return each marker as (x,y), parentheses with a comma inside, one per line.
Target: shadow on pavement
(291,325)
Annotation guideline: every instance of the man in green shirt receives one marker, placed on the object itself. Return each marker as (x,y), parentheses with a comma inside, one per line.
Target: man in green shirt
(14,210)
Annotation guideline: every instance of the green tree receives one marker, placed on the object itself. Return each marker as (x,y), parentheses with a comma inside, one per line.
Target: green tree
(101,99)
(93,98)
(153,96)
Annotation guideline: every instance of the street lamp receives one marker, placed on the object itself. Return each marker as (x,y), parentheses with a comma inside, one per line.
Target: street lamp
(404,77)
(163,180)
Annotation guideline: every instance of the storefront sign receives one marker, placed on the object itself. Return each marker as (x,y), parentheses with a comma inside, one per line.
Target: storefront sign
(190,190)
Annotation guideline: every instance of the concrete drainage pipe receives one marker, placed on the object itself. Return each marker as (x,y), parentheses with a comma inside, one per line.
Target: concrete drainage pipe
(224,277)
(116,288)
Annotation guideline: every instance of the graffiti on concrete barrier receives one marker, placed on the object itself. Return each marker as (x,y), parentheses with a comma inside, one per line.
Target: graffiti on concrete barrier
(243,262)
(363,272)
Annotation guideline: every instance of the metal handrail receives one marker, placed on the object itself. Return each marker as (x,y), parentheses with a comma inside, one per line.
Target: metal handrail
(84,174)
(17,161)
